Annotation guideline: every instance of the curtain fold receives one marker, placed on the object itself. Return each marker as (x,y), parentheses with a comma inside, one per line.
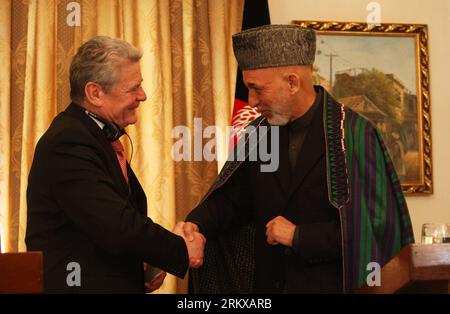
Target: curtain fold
(39,105)
(188,69)
(5,127)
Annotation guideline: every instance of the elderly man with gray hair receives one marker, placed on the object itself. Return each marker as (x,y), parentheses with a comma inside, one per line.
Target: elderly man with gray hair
(333,206)
(87,211)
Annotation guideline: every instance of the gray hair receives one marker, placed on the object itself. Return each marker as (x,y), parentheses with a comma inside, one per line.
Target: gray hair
(98,60)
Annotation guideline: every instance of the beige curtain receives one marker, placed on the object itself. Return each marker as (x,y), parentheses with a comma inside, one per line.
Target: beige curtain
(188,69)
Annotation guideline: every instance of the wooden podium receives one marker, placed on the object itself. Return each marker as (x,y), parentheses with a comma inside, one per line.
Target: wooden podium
(21,272)
(418,268)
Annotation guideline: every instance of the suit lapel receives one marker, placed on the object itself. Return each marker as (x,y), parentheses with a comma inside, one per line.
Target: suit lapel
(108,152)
(138,197)
(312,150)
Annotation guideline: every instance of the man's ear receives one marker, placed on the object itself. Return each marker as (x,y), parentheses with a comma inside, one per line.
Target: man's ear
(94,94)
(294,83)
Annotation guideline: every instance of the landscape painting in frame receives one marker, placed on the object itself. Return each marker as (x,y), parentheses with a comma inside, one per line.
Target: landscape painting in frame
(381,72)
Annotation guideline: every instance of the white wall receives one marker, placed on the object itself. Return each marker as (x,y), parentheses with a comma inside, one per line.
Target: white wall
(436,13)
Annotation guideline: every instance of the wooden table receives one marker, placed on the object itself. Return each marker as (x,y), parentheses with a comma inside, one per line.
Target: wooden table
(21,272)
(418,268)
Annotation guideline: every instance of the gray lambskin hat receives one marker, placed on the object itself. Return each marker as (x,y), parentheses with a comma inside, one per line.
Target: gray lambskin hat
(274,46)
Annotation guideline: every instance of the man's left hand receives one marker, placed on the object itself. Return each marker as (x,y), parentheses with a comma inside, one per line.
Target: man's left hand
(280,231)
(156,282)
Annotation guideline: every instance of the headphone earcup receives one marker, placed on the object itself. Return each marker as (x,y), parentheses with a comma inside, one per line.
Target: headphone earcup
(109,136)
(111,130)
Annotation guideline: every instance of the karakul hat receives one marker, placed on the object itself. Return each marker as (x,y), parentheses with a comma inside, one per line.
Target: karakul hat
(274,46)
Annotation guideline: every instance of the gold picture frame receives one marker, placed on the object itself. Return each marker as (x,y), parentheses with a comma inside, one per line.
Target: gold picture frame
(384,75)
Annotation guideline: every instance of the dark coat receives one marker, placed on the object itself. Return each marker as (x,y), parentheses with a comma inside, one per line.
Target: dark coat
(254,197)
(345,198)
(80,209)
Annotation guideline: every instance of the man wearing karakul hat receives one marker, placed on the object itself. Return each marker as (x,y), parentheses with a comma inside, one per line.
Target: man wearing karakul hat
(333,205)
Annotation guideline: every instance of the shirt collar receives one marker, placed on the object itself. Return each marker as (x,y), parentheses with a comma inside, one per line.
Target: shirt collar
(99,123)
(305,120)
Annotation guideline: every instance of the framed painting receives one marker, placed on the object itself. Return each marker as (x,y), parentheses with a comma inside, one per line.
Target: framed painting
(381,71)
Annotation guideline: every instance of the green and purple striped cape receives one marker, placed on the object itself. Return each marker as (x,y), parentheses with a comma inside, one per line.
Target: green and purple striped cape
(362,185)
(365,189)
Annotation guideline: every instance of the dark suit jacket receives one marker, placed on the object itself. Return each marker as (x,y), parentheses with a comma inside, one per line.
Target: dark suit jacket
(313,265)
(80,209)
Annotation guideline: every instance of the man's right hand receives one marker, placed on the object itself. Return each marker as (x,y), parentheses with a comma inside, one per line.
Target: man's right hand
(189,230)
(195,242)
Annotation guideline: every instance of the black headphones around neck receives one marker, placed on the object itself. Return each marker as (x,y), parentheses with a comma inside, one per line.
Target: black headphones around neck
(111,130)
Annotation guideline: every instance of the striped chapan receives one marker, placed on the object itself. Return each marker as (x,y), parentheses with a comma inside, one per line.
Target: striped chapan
(364,187)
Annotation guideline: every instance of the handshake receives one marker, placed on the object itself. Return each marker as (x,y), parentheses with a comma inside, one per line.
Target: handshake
(195,242)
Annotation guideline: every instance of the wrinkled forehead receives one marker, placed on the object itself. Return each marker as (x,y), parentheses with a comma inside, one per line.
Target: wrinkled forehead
(264,75)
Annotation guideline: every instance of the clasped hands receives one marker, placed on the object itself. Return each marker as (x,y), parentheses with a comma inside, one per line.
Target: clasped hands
(195,242)
(278,231)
